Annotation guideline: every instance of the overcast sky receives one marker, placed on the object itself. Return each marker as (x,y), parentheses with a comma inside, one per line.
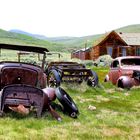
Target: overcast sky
(68,17)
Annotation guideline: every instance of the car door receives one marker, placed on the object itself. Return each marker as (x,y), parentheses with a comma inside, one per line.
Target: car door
(114,71)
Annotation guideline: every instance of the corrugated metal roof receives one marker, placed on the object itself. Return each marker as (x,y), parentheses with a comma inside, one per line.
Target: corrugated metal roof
(130,38)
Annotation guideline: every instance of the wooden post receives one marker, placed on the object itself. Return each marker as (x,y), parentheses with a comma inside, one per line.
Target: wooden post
(43,61)
(18,56)
(39,57)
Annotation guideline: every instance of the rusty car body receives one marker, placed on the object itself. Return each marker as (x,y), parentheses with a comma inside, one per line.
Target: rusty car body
(23,83)
(125,72)
(69,72)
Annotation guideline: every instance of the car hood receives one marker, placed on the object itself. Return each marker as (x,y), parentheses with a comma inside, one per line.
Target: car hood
(18,64)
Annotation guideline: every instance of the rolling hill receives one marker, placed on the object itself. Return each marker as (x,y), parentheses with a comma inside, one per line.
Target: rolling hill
(80,42)
(130,29)
(69,43)
(23,39)
(62,44)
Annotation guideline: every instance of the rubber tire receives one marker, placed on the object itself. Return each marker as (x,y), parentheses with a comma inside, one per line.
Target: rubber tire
(120,84)
(89,82)
(56,76)
(67,102)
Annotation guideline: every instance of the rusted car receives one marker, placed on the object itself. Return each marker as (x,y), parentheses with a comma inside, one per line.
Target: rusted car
(69,72)
(23,85)
(125,72)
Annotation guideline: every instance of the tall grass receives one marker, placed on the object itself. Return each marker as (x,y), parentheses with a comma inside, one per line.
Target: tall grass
(116,116)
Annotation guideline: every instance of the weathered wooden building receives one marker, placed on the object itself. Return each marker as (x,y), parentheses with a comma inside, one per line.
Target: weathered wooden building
(114,44)
(83,54)
(117,44)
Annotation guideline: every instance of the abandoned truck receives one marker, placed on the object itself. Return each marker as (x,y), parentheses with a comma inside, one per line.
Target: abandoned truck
(125,72)
(23,84)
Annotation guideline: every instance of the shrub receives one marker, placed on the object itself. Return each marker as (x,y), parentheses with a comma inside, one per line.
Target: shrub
(104,60)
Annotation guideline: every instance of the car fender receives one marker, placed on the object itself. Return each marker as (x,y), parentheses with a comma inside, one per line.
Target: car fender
(124,82)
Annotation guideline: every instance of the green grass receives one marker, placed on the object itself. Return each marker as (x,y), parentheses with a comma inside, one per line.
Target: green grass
(117,116)
(7,55)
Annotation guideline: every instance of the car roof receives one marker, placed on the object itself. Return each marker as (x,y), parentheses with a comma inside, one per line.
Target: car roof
(24,48)
(127,57)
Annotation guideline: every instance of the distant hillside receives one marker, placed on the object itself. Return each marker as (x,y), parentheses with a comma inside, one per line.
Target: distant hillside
(130,29)
(58,43)
(29,34)
(22,39)
(43,37)
(91,40)
(53,43)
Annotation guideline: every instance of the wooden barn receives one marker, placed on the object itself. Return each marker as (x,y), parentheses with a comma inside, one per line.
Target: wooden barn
(83,54)
(117,44)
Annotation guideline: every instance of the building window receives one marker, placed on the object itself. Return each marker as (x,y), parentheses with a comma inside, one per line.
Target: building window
(123,51)
(138,51)
(109,51)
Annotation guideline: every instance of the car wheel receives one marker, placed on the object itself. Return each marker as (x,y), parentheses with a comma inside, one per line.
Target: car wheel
(67,102)
(93,79)
(53,79)
(120,84)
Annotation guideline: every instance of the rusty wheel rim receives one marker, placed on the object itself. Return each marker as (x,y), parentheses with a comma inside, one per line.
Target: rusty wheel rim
(92,81)
(52,80)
